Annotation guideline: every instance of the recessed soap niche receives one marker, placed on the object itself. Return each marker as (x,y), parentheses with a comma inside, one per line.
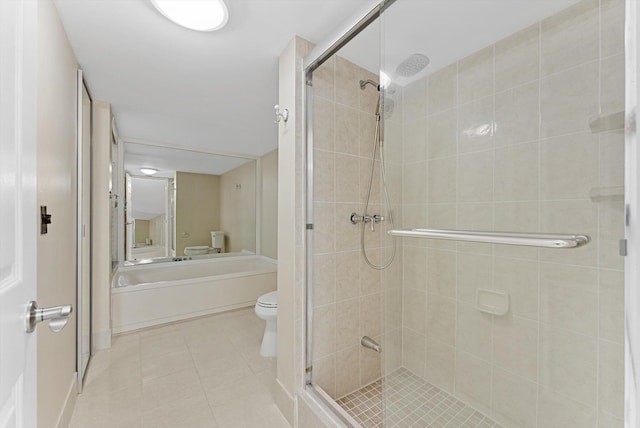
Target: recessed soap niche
(492,302)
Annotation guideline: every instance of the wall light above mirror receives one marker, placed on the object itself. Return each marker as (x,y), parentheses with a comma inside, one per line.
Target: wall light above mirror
(148,171)
(196,204)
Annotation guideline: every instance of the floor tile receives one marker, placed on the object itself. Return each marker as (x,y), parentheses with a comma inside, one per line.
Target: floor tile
(201,373)
(402,399)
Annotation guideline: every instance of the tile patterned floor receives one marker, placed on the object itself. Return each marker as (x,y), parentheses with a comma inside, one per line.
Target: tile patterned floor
(410,402)
(201,373)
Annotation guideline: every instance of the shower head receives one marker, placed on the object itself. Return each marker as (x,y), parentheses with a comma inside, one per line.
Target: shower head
(388,103)
(364,83)
(412,65)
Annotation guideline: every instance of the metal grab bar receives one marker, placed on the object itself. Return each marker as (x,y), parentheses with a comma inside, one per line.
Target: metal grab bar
(544,240)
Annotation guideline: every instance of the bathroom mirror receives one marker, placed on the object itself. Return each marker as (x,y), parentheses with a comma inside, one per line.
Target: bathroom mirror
(176,198)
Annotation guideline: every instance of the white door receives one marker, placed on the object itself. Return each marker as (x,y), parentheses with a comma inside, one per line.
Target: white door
(18,212)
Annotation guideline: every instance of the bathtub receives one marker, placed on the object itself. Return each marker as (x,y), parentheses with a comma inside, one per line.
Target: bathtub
(152,294)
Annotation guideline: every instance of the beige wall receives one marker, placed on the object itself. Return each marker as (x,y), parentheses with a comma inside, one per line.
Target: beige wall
(197,209)
(557,356)
(142,230)
(238,208)
(157,230)
(290,364)
(269,208)
(57,126)
(101,226)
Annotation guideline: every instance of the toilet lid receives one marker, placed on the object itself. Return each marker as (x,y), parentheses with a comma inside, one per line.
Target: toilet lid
(269,300)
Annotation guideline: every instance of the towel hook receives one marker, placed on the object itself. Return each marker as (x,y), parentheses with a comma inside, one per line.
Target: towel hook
(281,115)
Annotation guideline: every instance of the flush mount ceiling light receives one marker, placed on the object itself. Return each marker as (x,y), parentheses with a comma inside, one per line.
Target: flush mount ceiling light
(199,15)
(148,171)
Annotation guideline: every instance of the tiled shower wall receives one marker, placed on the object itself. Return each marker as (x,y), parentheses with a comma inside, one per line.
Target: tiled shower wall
(346,292)
(501,141)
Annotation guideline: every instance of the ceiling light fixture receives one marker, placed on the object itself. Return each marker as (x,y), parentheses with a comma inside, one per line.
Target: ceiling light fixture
(199,15)
(148,171)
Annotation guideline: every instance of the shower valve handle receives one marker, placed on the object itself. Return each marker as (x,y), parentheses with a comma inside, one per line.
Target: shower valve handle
(373,219)
(355,218)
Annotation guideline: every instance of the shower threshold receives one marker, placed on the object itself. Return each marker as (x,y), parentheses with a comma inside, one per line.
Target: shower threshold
(410,402)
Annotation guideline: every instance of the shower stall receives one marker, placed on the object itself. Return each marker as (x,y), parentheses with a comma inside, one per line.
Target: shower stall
(465,204)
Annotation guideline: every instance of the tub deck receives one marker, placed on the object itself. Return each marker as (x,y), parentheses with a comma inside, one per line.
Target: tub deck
(150,295)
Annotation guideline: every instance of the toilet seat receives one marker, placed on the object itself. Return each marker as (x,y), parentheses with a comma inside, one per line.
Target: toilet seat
(269,300)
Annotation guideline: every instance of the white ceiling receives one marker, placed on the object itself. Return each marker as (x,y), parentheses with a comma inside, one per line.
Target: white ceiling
(212,90)
(443,30)
(148,197)
(168,160)
(217,90)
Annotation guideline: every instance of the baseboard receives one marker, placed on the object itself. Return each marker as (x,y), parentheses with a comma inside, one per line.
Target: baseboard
(69,403)
(285,402)
(100,340)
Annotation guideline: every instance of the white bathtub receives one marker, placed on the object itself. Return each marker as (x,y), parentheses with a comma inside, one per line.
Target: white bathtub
(147,295)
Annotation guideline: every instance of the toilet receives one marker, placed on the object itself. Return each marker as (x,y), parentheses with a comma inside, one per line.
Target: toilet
(267,309)
(217,246)
(217,241)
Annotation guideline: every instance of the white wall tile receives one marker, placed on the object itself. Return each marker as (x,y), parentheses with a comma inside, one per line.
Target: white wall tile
(473,380)
(443,89)
(570,37)
(568,364)
(574,87)
(569,166)
(569,297)
(515,346)
(517,59)
(514,399)
(517,115)
(473,331)
(441,134)
(475,76)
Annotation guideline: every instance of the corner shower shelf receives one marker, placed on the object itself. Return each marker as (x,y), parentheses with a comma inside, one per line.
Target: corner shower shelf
(543,240)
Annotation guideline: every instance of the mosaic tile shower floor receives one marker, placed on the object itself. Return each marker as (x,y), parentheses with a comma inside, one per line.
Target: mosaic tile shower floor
(410,402)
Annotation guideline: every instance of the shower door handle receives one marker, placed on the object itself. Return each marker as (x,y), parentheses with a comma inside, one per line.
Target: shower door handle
(58,316)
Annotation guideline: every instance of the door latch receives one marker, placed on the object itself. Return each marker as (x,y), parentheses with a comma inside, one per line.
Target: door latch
(45,219)
(58,316)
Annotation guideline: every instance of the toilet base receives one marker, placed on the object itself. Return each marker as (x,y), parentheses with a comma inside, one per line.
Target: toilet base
(269,347)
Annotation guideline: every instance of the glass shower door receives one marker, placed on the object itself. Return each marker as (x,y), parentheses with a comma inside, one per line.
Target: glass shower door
(504,117)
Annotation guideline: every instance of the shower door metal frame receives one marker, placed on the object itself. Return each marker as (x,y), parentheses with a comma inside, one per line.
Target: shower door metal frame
(632,218)
(317,57)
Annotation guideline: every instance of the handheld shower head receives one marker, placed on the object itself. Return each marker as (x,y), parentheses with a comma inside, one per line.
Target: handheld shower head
(387,103)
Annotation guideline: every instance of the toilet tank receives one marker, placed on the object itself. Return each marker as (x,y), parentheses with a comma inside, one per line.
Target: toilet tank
(217,240)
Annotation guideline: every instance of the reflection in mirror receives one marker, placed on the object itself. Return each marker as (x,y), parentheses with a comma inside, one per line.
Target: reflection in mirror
(193,204)
(149,216)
